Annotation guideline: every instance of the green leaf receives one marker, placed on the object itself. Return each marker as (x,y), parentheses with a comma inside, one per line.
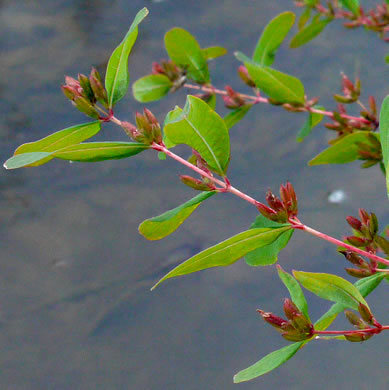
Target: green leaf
(304,17)
(58,140)
(331,287)
(279,86)
(308,33)
(272,37)
(203,130)
(27,159)
(313,120)
(268,254)
(233,117)
(117,76)
(384,136)
(151,87)
(352,5)
(99,151)
(365,286)
(184,50)
(268,363)
(295,291)
(212,101)
(227,252)
(213,52)
(343,151)
(242,57)
(166,223)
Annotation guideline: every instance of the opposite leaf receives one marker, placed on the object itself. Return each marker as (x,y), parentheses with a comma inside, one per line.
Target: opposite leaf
(309,32)
(166,223)
(272,37)
(268,363)
(213,52)
(227,252)
(295,291)
(151,87)
(184,50)
(198,126)
(365,286)
(313,120)
(117,76)
(331,287)
(99,151)
(279,86)
(384,137)
(343,151)
(268,254)
(63,138)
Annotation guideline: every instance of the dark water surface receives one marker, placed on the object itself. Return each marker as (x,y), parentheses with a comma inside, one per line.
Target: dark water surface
(76,311)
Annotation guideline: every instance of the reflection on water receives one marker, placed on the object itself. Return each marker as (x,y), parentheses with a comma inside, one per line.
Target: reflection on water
(75,306)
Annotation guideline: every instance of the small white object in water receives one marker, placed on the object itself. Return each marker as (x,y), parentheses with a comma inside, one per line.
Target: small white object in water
(337,196)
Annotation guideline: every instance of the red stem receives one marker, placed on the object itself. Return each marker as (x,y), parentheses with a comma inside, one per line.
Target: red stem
(343,332)
(260,99)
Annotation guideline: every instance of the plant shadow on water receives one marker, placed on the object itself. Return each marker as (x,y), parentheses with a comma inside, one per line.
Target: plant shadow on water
(76,309)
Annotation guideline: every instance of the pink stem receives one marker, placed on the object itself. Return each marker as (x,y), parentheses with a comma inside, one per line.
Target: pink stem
(301,226)
(259,99)
(343,332)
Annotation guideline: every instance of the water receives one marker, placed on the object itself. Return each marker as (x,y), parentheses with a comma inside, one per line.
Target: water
(76,311)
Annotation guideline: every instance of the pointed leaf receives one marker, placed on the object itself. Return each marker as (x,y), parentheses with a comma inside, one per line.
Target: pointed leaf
(233,117)
(166,223)
(384,136)
(242,57)
(304,17)
(295,291)
(117,76)
(268,363)
(151,87)
(365,286)
(331,287)
(313,120)
(99,151)
(272,37)
(268,254)
(308,33)
(70,136)
(213,52)
(227,252)
(352,5)
(184,50)
(343,151)
(279,86)
(27,159)
(203,130)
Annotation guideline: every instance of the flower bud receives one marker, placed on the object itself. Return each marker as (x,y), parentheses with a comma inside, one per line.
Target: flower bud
(130,130)
(357,337)
(364,216)
(86,87)
(353,258)
(354,319)
(358,273)
(196,183)
(354,223)
(267,212)
(290,309)
(383,243)
(86,107)
(359,242)
(98,89)
(245,76)
(365,313)
(272,319)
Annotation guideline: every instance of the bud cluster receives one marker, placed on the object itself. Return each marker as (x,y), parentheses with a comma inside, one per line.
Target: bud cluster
(175,74)
(280,210)
(351,92)
(203,184)
(147,129)
(86,92)
(233,99)
(365,321)
(365,236)
(296,327)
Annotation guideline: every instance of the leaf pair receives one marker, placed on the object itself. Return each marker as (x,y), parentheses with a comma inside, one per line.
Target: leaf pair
(279,86)
(184,50)
(360,289)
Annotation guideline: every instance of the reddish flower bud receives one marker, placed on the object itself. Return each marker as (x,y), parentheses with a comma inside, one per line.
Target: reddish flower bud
(86,107)
(98,89)
(354,223)
(267,212)
(196,183)
(157,69)
(86,87)
(366,314)
(364,216)
(272,319)
(357,337)
(355,259)
(245,76)
(130,130)
(290,309)
(358,273)
(354,319)
(359,242)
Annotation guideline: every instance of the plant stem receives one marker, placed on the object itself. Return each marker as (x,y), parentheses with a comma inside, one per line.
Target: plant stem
(298,225)
(343,332)
(260,99)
